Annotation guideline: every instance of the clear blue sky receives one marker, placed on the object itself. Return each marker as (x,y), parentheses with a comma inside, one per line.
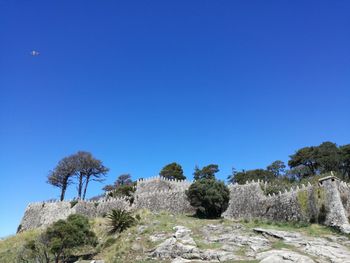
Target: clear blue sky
(144,83)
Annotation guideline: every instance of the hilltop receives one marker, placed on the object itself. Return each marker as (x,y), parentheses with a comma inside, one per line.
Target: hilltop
(183,238)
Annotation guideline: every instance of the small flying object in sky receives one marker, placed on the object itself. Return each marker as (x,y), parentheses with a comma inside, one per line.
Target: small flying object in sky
(34,53)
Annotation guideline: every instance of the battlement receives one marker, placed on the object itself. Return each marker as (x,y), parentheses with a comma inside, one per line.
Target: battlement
(298,203)
(158,177)
(158,183)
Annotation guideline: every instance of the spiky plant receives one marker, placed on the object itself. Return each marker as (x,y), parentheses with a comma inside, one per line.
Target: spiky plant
(119,220)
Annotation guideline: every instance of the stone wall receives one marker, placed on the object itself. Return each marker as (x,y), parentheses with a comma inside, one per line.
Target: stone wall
(173,201)
(249,201)
(45,213)
(344,191)
(337,214)
(328,202)
(161,194)
(159,183)
(156,194)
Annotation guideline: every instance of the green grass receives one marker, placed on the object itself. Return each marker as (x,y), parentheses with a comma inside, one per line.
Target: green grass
(206,245)
(118,247)
(279,244)
(10,247)
(314,230)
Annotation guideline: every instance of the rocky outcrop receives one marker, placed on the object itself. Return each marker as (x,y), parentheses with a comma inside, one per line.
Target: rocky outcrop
(324,250)
(234,243)
(282,256)
(182,248)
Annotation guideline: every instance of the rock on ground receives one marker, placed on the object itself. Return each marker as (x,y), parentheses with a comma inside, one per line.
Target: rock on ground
(230,243)
(281,256)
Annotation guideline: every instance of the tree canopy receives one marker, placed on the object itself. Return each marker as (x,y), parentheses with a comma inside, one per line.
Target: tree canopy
(173,171)
(209,196)
(249,175)
(277,168)
(207,172)
(81,165)
(305,162)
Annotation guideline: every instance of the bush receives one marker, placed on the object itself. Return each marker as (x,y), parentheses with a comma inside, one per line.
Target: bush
(60,239)
(123,190)
(119,220)
(209,196)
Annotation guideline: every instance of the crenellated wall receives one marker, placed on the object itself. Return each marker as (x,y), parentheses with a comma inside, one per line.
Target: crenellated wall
(45,213)
(249,201)
(328,203)
(161,194)
(158,183)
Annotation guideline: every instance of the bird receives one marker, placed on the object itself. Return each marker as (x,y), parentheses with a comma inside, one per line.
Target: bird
(34,53)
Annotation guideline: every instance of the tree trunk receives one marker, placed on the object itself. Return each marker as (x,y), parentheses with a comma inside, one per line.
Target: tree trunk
(80,186)
(47,258)
(63,192)
(86,185)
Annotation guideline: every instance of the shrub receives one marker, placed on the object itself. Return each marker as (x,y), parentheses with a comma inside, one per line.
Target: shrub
(64,235)
(209,196)
(119,220)
(138,217)
(60,239)
(123,190)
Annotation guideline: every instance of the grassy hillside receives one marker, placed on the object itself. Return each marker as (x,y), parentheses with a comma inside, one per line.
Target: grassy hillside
(135,244)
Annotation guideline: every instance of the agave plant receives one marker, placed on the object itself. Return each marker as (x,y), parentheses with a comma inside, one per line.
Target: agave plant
(119,220)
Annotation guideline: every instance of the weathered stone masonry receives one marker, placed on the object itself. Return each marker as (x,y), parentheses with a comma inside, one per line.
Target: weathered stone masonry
(328,202)
(45,213)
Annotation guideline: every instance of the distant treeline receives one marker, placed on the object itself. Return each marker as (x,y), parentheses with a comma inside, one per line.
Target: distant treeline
(305,162)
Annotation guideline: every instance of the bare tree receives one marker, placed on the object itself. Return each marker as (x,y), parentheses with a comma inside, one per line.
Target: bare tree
(82,165)
(61,175)
(89,168)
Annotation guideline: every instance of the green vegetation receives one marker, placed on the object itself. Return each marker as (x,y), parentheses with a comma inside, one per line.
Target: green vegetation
(306,165)
(303,198)
(207,172)
(11,248)
(120,247)
(209,196)
(257,174)
(122,187)
(314,230)
(123,190)
(120,235)
(122,180)
(59,242)
(73,203)
(173,171)
(119,220)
